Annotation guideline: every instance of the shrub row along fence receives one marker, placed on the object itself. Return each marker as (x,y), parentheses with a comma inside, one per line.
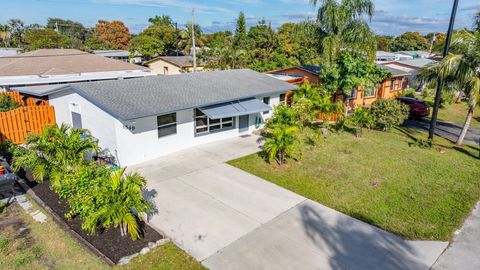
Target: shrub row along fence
(16,124)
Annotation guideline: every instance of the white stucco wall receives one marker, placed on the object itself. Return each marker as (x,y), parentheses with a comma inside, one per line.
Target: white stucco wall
(100,123)
(142,144)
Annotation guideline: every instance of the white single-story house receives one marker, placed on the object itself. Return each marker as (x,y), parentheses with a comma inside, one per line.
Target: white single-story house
(141,119)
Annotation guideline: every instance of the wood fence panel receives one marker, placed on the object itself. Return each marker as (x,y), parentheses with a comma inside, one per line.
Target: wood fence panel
(15,125)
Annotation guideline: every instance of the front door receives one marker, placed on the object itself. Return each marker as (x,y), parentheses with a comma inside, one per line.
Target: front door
(243,123)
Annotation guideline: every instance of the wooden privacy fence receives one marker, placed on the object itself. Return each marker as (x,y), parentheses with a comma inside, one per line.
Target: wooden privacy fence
(16,124)
(25,101)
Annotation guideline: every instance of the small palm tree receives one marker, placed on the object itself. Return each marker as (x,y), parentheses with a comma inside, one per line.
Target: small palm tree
(123,204)
(54,152)
(281,143)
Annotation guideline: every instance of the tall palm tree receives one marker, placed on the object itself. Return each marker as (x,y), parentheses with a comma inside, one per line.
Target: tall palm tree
(461,72)
(186,38)
(342,27)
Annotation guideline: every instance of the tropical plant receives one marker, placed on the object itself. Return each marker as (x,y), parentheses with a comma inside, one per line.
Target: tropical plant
(349,73)
(466,69)
(7,103)
(460,73)
(186,36)
(388,113)
(343,28)
(281,143)
(54,152)
(122,204)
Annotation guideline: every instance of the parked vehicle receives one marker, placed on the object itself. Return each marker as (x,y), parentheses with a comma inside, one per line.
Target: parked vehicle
(418,108)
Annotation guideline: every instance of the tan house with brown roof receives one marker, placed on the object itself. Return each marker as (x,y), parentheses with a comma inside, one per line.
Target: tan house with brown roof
(172,65)
(56,66)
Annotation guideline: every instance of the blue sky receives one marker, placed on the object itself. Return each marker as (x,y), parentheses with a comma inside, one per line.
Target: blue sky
(392,16)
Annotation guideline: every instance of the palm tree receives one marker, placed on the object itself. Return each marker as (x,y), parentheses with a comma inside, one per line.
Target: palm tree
(461,72)
(186,38)
(342,27)
(123,204)
(54,152)
(281,142)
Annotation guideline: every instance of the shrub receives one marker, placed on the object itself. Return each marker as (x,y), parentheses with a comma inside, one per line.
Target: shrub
(447,98)
(7,103)
(427,92)
(99,196)
(388,113)
(361,118)
(410,92)
(283,115)
(281,143)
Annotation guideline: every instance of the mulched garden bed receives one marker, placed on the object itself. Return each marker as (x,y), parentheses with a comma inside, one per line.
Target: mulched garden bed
(109,242)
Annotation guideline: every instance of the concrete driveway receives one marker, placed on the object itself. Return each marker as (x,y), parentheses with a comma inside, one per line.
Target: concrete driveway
(229,219)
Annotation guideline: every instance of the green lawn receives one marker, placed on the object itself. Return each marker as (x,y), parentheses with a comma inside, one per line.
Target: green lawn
(457,112)
(413,192)
(47,246)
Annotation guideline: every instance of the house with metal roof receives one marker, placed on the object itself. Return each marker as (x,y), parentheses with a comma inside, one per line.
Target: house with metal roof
(172,65)
(56,66)
(297,74)
(140,119)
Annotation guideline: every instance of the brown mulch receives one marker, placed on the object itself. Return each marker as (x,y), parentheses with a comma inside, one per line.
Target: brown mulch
(109,242)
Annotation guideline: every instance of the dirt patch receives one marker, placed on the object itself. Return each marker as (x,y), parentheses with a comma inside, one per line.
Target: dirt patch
(109,242)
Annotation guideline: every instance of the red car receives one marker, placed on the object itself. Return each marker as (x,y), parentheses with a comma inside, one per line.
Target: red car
(418,108)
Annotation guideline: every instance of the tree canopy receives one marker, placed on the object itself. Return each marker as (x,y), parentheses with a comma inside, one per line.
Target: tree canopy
(410,41)
(114,33)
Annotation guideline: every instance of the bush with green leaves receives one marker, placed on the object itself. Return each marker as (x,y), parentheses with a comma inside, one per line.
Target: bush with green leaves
(410,92)
(7,103)
(447,98)
(361,118)
(100,196)
(388,113)
(283,115)
(281,143)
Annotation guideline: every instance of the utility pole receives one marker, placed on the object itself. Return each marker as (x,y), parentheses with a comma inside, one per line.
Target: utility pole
(433,41)
(193,42)
(433,122)
(176,37)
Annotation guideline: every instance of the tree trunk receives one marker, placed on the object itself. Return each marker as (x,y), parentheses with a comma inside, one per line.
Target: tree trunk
(466,126)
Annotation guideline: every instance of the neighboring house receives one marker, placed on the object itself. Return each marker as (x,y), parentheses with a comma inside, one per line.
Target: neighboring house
(383,57)
(413,54)
(389,88)
(56,66)
(121,55)
(140,119)
(173,65)
(297,74)
(411,66)
(4,52)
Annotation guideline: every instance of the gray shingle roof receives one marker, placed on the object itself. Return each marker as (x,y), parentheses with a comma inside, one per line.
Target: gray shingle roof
(136,98)
(395,72)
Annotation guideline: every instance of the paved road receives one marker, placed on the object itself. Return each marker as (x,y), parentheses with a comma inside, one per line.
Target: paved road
(464,252)
(229,219)
(445,129)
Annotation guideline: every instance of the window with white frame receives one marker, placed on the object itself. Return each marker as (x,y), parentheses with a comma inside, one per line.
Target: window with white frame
(167,124)
(400,82)
(204,125)
(392,85)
